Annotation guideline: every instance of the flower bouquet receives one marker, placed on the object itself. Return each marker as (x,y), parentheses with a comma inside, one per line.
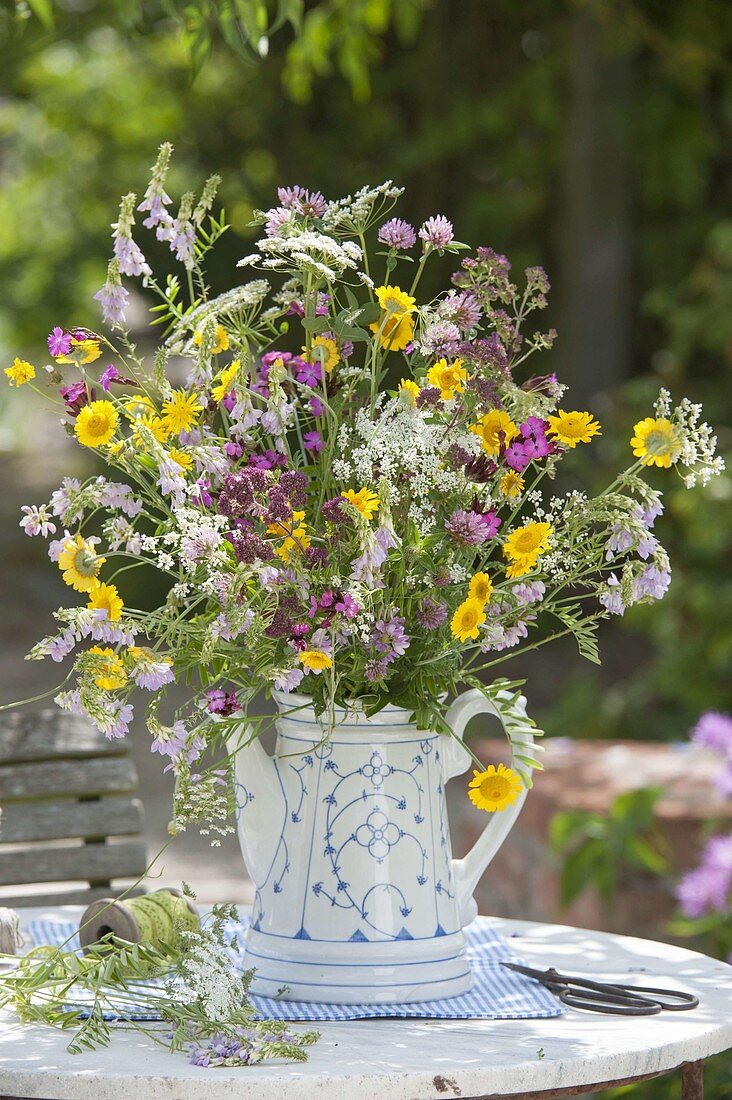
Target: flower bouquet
(347,490)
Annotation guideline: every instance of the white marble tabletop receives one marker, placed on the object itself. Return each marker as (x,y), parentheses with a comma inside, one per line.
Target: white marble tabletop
(416,1059)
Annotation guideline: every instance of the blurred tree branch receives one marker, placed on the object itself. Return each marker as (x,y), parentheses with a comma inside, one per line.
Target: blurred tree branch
(343,32)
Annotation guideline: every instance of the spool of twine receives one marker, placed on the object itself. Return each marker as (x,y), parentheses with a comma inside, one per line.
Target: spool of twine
(151,919)
(9,932)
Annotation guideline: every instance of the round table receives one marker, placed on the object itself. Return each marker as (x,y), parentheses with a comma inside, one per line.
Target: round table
(423,1059)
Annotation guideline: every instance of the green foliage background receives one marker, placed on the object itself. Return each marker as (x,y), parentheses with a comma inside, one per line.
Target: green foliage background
(472,104)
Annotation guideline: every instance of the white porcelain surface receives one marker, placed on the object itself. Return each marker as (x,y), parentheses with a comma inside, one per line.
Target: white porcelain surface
(345,835)
(416,1059)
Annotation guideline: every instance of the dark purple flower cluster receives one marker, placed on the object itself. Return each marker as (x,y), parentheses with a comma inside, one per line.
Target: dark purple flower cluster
(332,510)
(532,445)
(487,274)
(75,397)
(248,546)
(488,353)
(221,702)
(285,619)
(429,397)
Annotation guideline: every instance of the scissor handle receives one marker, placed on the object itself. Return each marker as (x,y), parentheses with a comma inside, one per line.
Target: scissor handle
(606,1002)
(680,1002)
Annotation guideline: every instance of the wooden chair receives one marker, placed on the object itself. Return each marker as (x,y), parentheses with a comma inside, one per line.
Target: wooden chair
(69,811)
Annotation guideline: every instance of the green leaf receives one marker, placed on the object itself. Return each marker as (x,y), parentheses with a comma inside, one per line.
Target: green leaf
(580,868)
(43,11)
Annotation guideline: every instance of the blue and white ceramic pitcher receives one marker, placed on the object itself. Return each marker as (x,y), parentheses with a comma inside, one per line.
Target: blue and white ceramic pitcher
(345,835)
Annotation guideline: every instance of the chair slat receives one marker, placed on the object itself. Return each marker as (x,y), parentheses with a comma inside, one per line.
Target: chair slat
(66,779)
(83,862)
(26,821)
(51,734)
(80,896)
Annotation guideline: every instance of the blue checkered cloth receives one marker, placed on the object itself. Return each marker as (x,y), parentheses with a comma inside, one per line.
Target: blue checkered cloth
(497,993)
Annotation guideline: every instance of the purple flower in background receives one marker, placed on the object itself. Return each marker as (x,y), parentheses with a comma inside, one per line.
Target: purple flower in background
(437,231)
(59,342)
(317,408)
(366,567)
(109,374)
(707,888)
(313,442)
(268,460)
(652,510)
(432,614)
(397,234)
(223,703)
(714,731)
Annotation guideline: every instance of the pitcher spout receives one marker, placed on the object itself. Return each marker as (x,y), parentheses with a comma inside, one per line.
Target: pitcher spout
(261,805)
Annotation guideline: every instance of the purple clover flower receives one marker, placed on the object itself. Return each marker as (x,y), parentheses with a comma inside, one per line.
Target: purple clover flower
(432,614)
(397,234)
(472,528)
(437,232)
(309,204)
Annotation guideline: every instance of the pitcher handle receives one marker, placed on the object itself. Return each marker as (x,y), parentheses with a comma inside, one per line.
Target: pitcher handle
(510,710)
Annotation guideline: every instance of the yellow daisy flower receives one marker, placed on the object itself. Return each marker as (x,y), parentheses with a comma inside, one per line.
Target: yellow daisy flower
(656,442)
(467,620)
(409,390)
(104,597)
(137,407)
(571,428)
(221,340)
(107,669)
(495,788)
(395,326)
(82,351)
(494,426)
(80,564)
(323,350)
(294,536)
(159,428)
(315,660)
(184,460)
(449,379)
(21,372)
(524,545)
(226,381)
(96,423)
(366,501)
(511,484)
(181,413)
(480,588)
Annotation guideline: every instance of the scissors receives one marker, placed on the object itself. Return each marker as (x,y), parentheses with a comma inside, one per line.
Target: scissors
(613,998)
